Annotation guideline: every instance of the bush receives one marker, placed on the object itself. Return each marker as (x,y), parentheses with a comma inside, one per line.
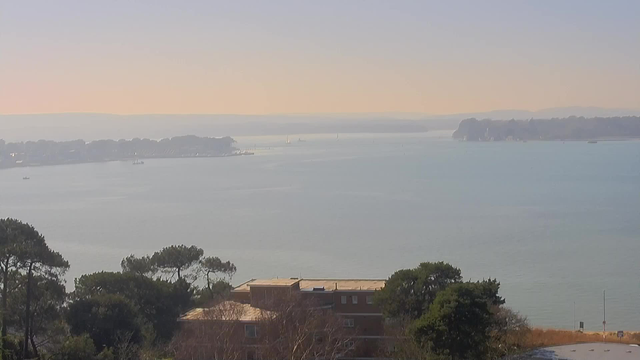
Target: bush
(76,348)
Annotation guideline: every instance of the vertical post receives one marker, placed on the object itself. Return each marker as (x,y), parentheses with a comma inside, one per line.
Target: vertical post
(574,316)
(604,316)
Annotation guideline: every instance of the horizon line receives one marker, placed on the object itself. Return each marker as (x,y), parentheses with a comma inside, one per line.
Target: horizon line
(320,113)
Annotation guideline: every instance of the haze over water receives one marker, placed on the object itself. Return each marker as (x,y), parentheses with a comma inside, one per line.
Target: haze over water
(553,222)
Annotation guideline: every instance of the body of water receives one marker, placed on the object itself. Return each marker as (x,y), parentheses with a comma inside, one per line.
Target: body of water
(555,223)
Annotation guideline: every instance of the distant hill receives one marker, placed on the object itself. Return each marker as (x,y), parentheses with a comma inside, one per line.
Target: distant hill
(551,113)
(571,128)
(92,126)
(62,127)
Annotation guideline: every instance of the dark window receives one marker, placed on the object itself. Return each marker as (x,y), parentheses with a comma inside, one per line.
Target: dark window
(251,331)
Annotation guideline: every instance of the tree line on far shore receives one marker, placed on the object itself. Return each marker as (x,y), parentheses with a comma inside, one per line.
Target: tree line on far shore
(430,312)
(47,152)
(571,128)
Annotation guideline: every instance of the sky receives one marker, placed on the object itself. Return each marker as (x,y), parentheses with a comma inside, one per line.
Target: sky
(270,57)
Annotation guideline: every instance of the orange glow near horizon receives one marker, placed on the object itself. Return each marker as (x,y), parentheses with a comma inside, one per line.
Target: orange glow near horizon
(148,59)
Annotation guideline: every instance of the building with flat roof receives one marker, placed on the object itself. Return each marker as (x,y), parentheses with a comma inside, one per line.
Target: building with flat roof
(350,299)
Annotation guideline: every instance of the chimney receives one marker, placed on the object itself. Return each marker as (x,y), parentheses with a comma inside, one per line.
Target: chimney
(336,286)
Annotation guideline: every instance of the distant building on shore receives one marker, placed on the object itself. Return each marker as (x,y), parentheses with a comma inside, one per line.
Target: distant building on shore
(350,299)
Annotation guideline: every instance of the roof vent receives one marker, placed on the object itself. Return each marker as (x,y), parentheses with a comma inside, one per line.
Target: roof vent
(321,288)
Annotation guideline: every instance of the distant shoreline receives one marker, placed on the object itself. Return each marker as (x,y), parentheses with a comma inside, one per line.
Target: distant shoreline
(566,129)
(240,153)
(49,153)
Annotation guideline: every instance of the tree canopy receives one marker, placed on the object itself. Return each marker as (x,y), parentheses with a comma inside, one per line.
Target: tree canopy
(211,267)
(176,259)
(457,323)
(408,293)
(437,316)
(76,348)
(157,302)
(142,266)
(25,259)
(103,318)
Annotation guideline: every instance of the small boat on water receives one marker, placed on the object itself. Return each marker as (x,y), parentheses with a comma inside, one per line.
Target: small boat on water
(288,141)
(138,162)
(301,140)
(25,178)
(592,142)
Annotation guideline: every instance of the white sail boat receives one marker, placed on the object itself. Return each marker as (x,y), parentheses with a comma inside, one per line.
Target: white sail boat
(288,141)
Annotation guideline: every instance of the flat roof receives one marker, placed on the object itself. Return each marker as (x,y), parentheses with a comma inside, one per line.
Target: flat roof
(342,284)
(310,284)
(226,311)
(273,282)
(284,282)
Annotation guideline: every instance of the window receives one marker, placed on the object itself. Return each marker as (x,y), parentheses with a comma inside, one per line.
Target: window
(250,331)
(354,299)
(369,299)
(350,344)
(343,299)
(348,323)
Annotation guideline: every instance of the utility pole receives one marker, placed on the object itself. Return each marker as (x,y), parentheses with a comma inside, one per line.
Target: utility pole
(604,316)
(574,316)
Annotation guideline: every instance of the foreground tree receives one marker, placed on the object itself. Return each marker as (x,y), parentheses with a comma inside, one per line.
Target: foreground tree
(12,235)
(23,250)
(104,318)
(459,322)
(174,260)
(217,274)
(157,303)
(47,328)
(76,348)
(408,293)
(212,267)
(40,260)
(398,343)
(218,291)
(142,266)
(509,333)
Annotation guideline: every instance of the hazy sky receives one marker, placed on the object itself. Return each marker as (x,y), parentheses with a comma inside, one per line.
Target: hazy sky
(257,57)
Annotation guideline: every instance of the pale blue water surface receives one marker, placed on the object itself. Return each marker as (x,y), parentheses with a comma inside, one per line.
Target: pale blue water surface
(554,222)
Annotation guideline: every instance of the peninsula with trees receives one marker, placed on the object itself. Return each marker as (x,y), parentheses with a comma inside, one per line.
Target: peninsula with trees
(570,128)
(44,152)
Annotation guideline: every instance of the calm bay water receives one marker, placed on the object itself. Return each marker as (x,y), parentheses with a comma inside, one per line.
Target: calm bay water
(554,222)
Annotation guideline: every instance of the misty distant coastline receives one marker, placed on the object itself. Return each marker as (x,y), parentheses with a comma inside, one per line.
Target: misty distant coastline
(570,128)
(94,126)
(44,153)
